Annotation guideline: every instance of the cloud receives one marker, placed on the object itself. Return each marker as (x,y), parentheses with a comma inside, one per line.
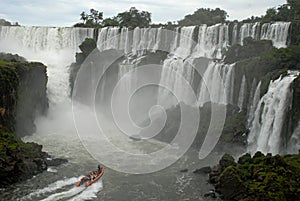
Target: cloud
(66,13)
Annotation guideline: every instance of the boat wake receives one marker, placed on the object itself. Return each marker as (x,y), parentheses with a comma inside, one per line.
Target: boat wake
(66,190)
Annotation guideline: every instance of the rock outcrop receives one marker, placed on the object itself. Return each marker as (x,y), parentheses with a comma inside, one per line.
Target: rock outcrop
(23,93)
(22,97)
(261,177)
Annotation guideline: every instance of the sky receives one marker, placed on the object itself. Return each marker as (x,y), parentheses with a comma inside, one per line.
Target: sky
(67,12)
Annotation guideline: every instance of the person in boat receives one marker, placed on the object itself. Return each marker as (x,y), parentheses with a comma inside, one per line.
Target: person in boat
(99,168)
(93,176)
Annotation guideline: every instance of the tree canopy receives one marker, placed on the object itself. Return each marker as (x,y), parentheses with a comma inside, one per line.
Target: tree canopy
(4,22)
(132,18)
(204,16)
(93,19)
(286,12)
(135,18)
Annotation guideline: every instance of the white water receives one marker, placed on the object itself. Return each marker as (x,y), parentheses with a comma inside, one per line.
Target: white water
(217,84)
(212,41)
(77,193)
(269,116)
(242,93)
(294,142)
(52,187)
(276,32)
(174,73)
(253,101)
(55,47)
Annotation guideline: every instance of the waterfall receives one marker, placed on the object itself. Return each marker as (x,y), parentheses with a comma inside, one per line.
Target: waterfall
(266,130)
(54,47)
(277,32)
(249,30)
(217,84)
(212,41)
(234,34)
(294,142)
(174,73)
(136,42)
(185,43)
(253,101)
(242,94)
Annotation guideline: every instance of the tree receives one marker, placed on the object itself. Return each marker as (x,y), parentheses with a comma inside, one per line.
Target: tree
(110,22)
(271,15)
(90,20)
(204,16)
(295,8)
(134,18)
(95,16)
(83,17)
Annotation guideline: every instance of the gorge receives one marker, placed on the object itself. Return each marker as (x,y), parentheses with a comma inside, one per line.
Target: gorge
(226,65)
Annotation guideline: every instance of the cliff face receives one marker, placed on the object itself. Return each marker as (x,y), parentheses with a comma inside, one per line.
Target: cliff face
(32,97)
(23,92)
(23,95)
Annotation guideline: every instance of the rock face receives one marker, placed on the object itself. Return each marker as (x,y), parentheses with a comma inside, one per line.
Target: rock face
(22,97)
(261,177)
(23,93)
(86,48)
(19,160)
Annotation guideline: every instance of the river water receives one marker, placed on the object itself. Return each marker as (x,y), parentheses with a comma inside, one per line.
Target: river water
(59,138)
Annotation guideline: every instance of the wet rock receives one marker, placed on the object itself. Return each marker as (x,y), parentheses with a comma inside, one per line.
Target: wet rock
(56,161)
(184,170)
(214,174)
(261,177)
(211,193)
(203,170)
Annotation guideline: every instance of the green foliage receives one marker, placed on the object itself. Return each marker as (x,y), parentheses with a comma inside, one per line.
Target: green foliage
(262,177)
(286,12)
(110,22)
(285,57)
(133,18)
(10,146)
(87,46)
(93,19)
(4,22)
(204,16)
(250,48)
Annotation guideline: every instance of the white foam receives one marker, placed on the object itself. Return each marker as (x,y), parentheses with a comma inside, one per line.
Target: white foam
(89,193)
(65,194)
(52,187)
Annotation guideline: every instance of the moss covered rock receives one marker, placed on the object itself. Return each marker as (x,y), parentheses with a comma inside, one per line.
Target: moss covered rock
(22,97)
(23,94)
(19,160)
(261,177)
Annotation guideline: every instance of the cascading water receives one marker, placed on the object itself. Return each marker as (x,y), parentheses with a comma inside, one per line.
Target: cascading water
(217,84)
(294,142)
(56,48)
(242,94)
(212,41)
(277,32)
(266,130)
